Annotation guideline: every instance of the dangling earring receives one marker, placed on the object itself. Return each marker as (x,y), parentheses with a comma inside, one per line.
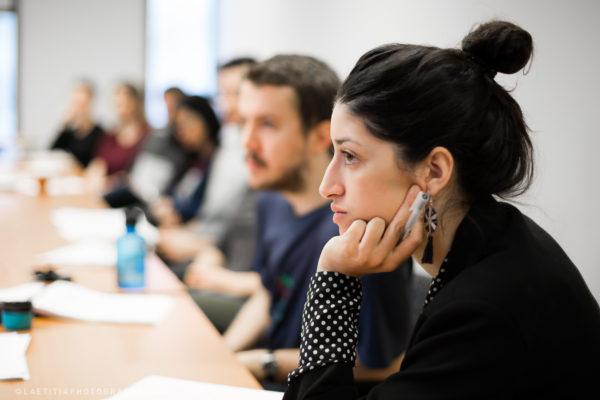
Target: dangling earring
(431,223)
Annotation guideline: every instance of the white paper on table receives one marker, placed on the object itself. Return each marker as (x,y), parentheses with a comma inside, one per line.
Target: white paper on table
(48,162)
(8,181)
(22,292)
(159,387)
(97,253)
(40,164)
(13,363)
(70,300)
(65,185)
(18,182)
(75,224)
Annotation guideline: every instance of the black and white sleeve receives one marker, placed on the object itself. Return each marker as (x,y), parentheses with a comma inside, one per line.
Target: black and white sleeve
(329,322)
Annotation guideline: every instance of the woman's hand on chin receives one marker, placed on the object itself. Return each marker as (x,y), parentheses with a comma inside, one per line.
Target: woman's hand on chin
(370,247)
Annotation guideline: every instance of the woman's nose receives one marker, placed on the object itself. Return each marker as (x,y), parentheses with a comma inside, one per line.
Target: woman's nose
(331,185)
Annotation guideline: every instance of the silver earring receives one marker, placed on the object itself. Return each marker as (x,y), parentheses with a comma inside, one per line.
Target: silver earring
(431,223)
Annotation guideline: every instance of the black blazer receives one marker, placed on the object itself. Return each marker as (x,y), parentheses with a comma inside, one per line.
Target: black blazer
(515,320)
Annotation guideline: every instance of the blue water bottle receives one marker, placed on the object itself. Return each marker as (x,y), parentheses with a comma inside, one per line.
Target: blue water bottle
(131,254)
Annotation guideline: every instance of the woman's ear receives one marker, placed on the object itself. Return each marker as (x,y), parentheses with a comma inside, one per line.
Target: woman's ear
(439,167)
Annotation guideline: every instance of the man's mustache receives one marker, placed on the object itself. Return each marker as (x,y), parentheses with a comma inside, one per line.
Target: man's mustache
(256,159)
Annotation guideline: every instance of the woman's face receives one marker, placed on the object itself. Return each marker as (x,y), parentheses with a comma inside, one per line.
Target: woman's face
(124,102)
(363,179)
(191,129)
(81,99)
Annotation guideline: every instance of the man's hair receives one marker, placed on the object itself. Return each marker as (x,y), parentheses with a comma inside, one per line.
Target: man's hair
(173,90)
(314,83)
(238,62)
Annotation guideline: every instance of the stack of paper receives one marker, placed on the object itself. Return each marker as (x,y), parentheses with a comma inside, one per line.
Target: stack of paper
(22,292)
(69,300)
(13,364)
(95,253)
(158,387)
(75,224)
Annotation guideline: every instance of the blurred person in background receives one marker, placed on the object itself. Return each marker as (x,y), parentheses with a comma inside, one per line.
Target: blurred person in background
(229,79)
(117,148)
(226,190)
(80,132)
(172,97)
(197,128)
(228,209)
(161,157)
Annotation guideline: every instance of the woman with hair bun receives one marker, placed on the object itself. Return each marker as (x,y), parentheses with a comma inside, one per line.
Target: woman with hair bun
(507,315)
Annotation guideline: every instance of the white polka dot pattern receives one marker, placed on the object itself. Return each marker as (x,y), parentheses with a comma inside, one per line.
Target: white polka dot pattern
(329,322)
(437,283)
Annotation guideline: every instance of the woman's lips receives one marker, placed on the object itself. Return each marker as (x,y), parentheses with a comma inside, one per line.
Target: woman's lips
(337,216)
(338,213)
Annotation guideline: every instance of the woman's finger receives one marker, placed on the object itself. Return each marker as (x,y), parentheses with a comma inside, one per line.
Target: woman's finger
(356,231)
(406,247)
(373,233)
(393,233)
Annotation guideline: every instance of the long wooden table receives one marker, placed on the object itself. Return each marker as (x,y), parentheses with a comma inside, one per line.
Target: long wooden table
(71,359)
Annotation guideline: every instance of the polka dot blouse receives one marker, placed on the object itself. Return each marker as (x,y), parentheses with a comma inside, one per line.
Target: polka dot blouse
(330,319)
(437,283)
(329,322)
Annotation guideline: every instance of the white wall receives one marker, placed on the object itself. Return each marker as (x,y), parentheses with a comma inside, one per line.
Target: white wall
(62,40)
(559,95)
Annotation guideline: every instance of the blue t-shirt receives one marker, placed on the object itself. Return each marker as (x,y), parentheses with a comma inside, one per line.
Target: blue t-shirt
(288,250)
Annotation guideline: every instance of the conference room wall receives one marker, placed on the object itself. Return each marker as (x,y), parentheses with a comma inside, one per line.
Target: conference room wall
(62,40)
(559,95)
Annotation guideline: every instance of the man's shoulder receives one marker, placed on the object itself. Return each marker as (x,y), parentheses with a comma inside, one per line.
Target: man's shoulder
(269,202)
(267,197)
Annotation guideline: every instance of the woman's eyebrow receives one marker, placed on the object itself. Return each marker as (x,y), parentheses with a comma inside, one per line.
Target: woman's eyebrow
(345,139)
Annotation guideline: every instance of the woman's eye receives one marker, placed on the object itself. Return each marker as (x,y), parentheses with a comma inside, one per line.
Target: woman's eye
(268,124)
(349,158)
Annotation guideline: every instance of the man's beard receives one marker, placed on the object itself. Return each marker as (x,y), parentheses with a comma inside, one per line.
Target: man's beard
(291,180)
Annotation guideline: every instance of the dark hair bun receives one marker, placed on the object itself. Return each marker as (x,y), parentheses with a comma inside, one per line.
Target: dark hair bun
(499,46)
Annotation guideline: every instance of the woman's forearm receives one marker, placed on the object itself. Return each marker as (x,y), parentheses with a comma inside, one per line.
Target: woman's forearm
(329,322)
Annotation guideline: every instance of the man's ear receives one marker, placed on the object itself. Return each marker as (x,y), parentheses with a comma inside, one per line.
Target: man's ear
(435,171)
(320,137)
